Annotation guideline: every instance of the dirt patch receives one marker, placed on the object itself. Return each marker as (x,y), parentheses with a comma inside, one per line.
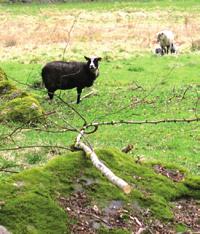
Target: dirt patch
(90,218)
(173,174)
(187,212)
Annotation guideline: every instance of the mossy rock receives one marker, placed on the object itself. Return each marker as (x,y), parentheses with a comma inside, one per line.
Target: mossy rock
(25,109)
(6,88)
(29,199)
(8,91)
(3,75)
(17,105)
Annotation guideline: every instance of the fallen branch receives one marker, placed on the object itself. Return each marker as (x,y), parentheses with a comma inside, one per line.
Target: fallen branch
(93,92)
(8,171)
(89,151)
(144,122)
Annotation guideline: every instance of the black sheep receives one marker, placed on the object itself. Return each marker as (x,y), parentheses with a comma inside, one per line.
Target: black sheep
(69,75)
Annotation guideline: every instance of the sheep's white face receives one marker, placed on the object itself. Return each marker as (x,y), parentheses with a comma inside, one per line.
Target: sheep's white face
(93,63)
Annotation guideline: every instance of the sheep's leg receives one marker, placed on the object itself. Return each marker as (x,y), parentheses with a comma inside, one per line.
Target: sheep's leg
(79,91)
(51,94)
(172,48)
(163,50)
(168,47)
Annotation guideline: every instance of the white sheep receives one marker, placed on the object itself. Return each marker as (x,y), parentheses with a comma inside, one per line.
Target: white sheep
(166,40)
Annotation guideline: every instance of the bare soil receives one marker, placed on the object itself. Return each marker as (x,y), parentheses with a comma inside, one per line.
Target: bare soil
(173,174)
(89,217)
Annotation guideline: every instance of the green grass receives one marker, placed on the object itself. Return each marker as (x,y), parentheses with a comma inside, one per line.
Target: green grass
(163,81)
(16,9)
(141,87)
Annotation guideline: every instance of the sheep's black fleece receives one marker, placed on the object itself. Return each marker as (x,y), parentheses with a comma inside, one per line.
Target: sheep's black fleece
(67,75)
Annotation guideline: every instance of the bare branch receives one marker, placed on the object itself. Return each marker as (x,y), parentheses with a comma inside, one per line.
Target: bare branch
(8,171)
(35,146)
(144,122)
(20,128)
(69,33)
(74,109)
(93,92)
(185,91)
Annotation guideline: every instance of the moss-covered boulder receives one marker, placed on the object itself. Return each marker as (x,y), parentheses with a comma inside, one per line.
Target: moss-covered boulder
(30,201)
(8,91)
(17,105)
(24,109)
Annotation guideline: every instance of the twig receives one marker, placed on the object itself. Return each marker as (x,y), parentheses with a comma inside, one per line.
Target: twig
(71,107)
(18,129)
(9,171)
(96,216)
(69,34)
(35,146)
(184,93)
(87,95)
(93,92)
(64,129)
(144,122)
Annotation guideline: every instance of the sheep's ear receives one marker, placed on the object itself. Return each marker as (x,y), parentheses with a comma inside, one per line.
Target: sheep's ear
(86,58)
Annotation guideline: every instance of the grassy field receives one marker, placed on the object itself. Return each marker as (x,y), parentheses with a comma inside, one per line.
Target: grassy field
(145,87)
(100,5)
(40,33)
(134,84)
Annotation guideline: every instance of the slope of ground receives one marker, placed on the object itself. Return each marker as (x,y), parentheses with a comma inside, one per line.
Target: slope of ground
(70,188)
